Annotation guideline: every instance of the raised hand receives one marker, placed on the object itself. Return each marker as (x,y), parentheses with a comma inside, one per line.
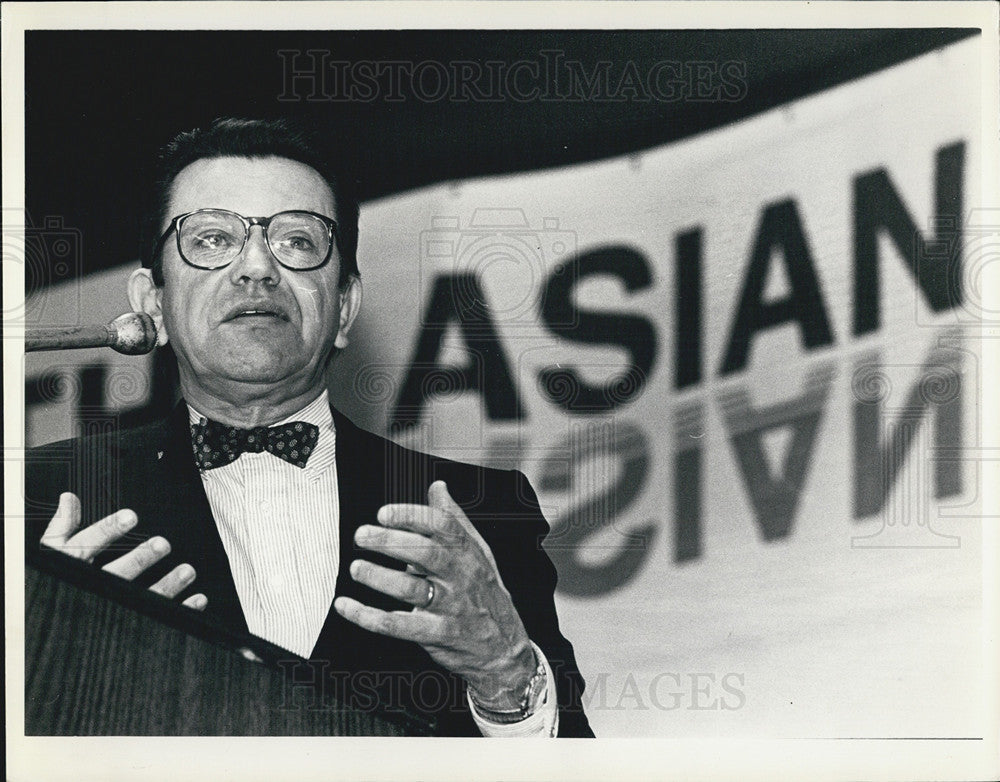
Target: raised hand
(463,615)
(64,534)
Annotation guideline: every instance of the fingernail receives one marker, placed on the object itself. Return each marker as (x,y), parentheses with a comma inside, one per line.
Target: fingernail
(384,515)
(438,487)
(160,545)
(126,520)
(199,602)
(186,572)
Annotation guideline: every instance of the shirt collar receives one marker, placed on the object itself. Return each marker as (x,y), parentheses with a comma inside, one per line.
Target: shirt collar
(316,412)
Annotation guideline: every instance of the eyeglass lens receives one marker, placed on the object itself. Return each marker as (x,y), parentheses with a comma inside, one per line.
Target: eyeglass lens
(213,238)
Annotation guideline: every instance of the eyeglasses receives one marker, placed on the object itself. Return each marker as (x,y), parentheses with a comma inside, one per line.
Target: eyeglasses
(213,238)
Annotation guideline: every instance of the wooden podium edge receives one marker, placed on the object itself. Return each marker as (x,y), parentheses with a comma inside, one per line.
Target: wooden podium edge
(170,613)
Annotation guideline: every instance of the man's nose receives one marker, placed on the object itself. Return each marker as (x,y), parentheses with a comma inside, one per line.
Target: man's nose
(255,263)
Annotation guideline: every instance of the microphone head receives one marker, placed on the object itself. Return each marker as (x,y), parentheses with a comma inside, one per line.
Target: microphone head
(134,333)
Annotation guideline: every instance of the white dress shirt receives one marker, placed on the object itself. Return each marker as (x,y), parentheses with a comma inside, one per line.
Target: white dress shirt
(280,525)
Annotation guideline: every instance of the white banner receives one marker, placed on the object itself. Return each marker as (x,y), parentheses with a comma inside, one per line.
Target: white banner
(740,372)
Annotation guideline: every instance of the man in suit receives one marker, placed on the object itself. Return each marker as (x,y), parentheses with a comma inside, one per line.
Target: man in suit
(262,506)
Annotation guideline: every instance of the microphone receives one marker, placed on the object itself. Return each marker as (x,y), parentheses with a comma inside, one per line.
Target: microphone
(132,334)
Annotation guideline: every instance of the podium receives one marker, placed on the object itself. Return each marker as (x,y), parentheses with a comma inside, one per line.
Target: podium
(103,658)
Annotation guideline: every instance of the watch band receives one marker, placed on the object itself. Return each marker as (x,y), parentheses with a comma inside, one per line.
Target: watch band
(531,699)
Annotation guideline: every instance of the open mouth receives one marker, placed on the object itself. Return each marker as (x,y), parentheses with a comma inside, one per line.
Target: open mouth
(255,313)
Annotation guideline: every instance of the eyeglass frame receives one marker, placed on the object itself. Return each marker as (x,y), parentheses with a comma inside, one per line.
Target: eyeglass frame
(248,223)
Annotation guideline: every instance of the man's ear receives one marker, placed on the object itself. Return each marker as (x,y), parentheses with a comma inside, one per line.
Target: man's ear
(350,306)
(145,296)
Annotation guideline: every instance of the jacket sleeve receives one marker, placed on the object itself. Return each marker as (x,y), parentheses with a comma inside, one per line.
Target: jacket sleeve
(515,535)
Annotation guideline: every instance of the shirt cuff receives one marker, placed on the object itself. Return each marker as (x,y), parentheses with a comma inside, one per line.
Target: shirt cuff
(544,723)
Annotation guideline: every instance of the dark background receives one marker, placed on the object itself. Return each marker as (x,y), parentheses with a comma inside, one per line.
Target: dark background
(99,104)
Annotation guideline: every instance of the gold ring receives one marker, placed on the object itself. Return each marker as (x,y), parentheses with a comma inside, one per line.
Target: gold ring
(430,594)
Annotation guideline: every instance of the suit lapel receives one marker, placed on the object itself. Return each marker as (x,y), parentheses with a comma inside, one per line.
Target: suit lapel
(360,497)
(340,640)
(179,511)
(367,478)
(362,467)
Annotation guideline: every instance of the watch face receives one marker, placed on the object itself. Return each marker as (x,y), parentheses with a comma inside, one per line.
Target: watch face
(536,688)
(533,697)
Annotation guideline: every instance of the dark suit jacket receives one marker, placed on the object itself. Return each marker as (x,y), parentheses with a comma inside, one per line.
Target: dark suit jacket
(150,469)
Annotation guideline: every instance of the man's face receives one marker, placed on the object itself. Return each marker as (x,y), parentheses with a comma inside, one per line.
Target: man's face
(253,322)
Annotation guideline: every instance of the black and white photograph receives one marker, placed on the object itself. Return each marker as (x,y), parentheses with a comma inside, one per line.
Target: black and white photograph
(384,377)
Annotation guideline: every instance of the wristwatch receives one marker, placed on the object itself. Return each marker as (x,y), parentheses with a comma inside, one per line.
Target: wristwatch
(533,697)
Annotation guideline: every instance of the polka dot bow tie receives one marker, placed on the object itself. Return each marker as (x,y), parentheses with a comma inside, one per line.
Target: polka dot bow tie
(216,445)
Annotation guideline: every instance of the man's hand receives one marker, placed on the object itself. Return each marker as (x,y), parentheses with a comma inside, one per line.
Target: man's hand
(471,626)
(62,535)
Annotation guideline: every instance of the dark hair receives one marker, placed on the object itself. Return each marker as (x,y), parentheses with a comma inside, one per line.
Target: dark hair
(252,138)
